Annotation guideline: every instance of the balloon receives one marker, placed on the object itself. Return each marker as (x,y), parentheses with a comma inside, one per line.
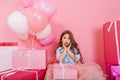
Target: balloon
(46,32)
(17,22)
(32,32)
(49,9)
(27,3)
(37,20)
(47,41)
(23,36)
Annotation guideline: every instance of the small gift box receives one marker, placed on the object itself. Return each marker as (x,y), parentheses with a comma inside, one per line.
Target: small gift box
(64,71)
(6,49)
(118,78)
(29,59)
(115,71)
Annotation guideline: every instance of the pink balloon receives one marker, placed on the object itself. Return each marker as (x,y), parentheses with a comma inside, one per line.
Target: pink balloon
(37,20)
(49,9)
(47,41)
(27,3)
(32,32)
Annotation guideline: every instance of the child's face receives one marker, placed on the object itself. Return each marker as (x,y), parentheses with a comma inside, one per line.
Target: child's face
(66,40)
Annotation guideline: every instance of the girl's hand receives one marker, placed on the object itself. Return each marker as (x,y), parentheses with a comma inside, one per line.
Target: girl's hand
(69,46)
(64,46)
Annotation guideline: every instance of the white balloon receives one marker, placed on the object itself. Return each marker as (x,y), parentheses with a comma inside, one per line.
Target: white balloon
(46,32)
(23,36)
(17,22)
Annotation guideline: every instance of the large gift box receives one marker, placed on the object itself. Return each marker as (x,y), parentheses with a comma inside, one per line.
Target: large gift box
(111,31)
(34,74)
(6,49)
(64,71)
(111,34)
(29,59)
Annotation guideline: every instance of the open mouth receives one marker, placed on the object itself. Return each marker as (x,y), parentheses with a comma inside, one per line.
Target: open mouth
(66,44)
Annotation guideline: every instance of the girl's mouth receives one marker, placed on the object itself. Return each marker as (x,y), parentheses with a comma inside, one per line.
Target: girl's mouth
(66,44)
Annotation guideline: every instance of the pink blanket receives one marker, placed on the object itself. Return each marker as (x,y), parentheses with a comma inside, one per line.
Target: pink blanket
(87,71)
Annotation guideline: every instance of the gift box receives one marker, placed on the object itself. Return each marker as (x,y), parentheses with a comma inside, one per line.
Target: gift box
(118,78)
(34,74)
(115,72)
(29,59)
(64,71)
(6,49)
(111,33)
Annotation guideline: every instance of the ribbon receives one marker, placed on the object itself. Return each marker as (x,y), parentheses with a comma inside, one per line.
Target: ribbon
(29,59)
(6,73)
(8,43)
(116,38)
(9,72)
(62,65)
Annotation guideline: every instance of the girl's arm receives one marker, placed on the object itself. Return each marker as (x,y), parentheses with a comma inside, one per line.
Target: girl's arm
(72,55)
(62,55)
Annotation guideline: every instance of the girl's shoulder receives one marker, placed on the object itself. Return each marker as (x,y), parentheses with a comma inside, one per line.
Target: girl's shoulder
(59,49)
(75,50)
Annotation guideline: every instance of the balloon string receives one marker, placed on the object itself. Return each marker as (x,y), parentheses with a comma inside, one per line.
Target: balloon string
(32,44)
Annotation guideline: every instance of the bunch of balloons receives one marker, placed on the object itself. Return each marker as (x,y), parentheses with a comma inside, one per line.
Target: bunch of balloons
(33,20)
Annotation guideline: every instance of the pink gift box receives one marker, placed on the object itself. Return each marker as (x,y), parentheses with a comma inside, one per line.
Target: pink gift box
(111,31)
(6,49)
(31,74)
(29,59)
(115,70)
(64,71)
(118,78)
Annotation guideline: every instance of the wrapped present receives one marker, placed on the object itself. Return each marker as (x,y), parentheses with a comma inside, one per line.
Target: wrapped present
(6,49)
(111,33)
(118,78)
(34,74)
(4,74)
(115,71)
(64,71)
(29,59)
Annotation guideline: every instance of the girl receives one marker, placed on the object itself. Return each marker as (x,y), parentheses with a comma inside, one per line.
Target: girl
(68,51)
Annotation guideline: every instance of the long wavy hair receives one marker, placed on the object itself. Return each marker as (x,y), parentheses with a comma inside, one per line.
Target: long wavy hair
(73,42)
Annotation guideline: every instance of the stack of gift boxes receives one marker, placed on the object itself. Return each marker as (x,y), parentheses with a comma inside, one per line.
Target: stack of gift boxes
(26,65)
(30,64)
(111,33)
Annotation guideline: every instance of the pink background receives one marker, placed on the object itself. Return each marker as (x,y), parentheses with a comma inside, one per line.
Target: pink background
(83,17)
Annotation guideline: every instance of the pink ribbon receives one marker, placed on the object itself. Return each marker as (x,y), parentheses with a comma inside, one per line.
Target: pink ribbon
(6,73)
(8,43)
(9,72)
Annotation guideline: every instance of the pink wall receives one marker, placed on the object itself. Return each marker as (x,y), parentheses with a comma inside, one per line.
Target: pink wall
(84,18)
